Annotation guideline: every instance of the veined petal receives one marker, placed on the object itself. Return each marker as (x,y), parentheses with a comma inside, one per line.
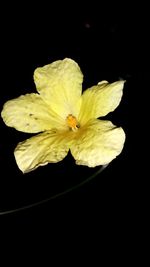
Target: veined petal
(29,113)
(99,100)
(98,143)
(40,150)
(60,85)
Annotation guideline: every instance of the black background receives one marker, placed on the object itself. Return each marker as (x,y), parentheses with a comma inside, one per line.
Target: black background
(109,43)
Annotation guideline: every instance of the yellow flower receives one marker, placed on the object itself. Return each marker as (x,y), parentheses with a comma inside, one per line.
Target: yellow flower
(65,119)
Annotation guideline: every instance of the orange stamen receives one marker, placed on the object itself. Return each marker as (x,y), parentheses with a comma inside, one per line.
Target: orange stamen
(72,122)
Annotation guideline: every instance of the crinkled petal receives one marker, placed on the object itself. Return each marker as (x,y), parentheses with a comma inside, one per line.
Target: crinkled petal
(60,85)
(98,143)
(44,148)
(99,100)
(29,113)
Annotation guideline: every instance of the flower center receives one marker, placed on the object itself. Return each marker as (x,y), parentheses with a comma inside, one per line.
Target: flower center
(72,122)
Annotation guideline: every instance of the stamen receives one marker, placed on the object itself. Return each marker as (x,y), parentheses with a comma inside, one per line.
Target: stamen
(72,122)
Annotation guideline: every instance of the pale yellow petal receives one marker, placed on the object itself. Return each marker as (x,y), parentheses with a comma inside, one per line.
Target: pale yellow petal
(29,113)
(40,150)
(98,143)
(99,100)
(60,85)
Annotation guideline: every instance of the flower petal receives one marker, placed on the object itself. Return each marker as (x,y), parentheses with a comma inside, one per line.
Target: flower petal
(44,148)
(99,100)
(60,85)
(29,113)
(98,143)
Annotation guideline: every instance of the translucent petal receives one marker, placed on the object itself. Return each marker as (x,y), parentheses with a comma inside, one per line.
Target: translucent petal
(97,143)
(60,85)
(29,113)
(44,148)
(99,100)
